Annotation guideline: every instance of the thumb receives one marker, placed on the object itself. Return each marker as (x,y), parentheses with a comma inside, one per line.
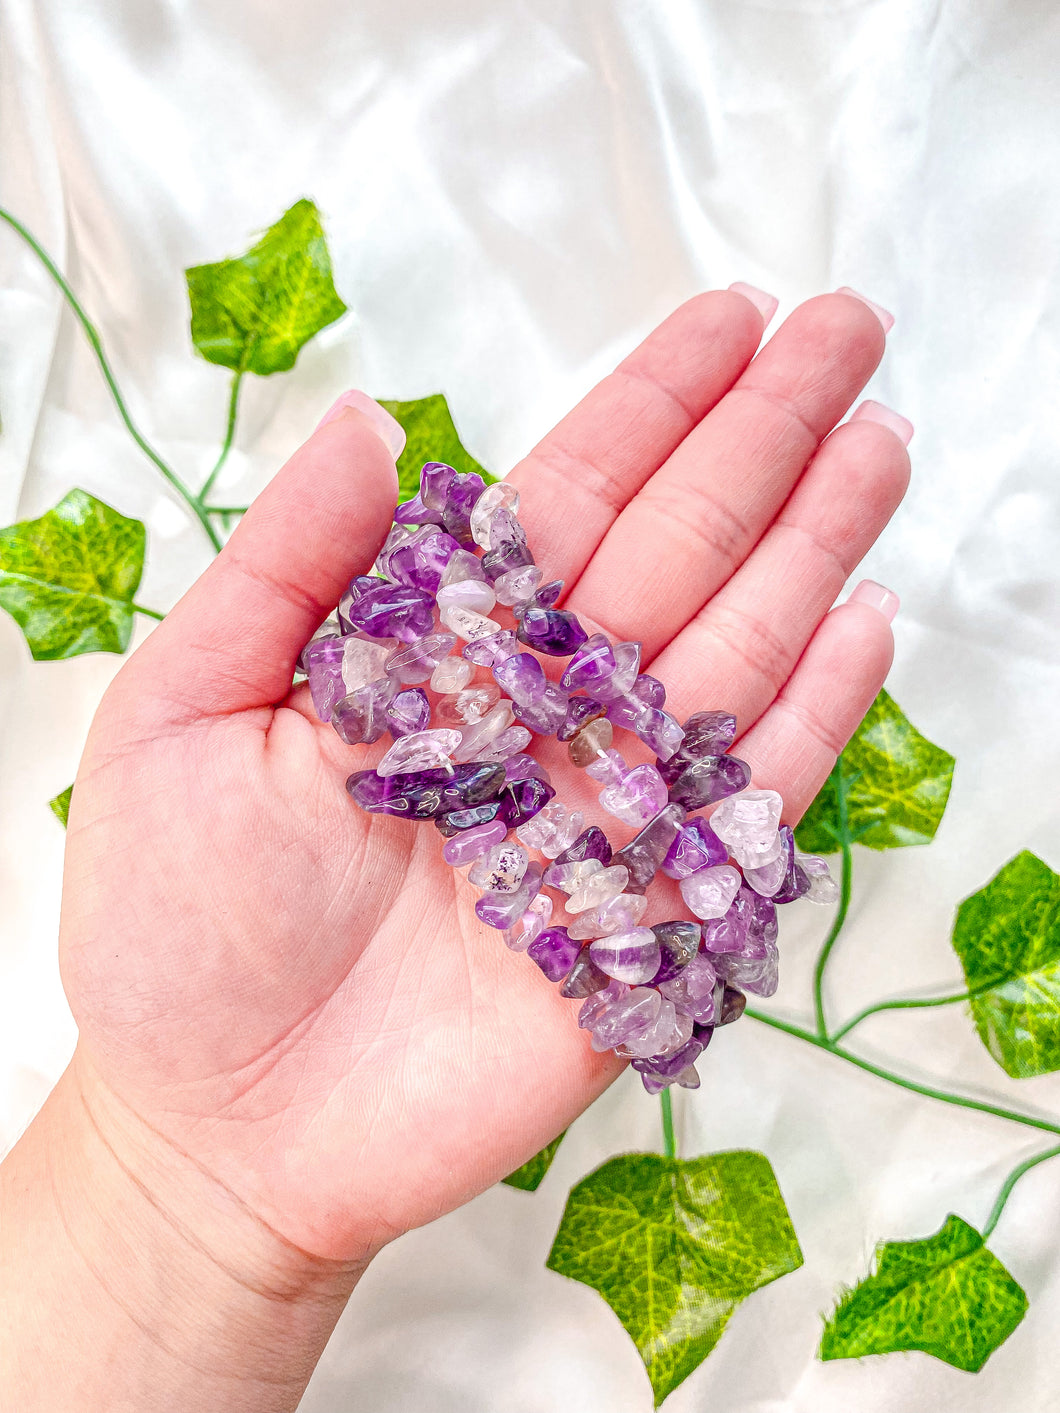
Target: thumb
(232,641)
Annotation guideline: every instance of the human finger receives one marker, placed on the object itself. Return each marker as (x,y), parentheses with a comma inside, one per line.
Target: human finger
(741,647)
(694,522)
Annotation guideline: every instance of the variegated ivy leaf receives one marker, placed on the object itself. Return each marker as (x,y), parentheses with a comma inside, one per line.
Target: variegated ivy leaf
(254,312)
(60,806)
(674,1246)
(946,1295)
(1008,939)
(68,578)
(529,1176)
(897,785)
(432,436)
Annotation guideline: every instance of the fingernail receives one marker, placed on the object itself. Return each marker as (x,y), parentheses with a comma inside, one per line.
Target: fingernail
(766,304)
(869,411)
(388,428)
(874,595)
(885,318)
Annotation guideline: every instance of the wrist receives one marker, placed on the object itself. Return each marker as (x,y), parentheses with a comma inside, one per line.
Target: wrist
(152,1282)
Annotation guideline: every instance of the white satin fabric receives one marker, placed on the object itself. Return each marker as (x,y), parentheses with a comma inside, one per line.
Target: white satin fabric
(514,194)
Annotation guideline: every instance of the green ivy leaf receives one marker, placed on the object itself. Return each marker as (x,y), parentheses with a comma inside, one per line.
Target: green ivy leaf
(673,1246)
(60,806)
(529,1176)
(946,1295)
(1008,939)
(432,436)
(253,313)
(897,786)
(68,579)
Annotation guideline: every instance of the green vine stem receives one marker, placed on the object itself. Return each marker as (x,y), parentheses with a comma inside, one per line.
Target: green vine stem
(944,1096)
(906,1003)
(669,1145)
(1009,1183)
(192,501)
(230,432)
(846,879)
(148,612)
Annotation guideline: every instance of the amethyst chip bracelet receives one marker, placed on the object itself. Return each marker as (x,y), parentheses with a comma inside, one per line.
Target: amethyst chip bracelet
(653,993)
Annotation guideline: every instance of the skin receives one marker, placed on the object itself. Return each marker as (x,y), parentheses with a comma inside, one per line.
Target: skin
(296,1040)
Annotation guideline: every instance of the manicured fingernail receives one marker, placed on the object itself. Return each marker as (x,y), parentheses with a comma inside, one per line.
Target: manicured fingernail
(874,595)
(766,304)
(388,428)
(885,318)
(869,411)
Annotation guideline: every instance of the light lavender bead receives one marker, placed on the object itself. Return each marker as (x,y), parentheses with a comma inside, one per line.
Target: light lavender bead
(363,662)
(422,750)
(749,824)
(692,990)
(671,1031)
(480,734)
(530,926)
(627,1019)
(508,743)
(501,910)
(500,870)
(468,624)
(621,914)
(471,844)
(470,705)
(823,887)
(603,885)
(451,675)
(552,829)
(518,586)
(415,662)
(620,683)
(463,567)
(522,767)
(475,595)
(709,892)
(633,957)
(594,1006)
(609,768)
(484,652)
(638,797)
(500,496)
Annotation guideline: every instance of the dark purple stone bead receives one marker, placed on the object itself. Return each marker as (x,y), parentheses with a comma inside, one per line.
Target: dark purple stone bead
(580,711)
(546,715)
(555,952)
(763,925)
(645,851)
(591,843)
(420,565)
(584,978)
(708,780)
(547,595)
(594,663)
(422,794)
(707,733)
(415,512)
(730,1006)
(551,630)
(508,547)
(464,491)
(485,652)
(435,480)
(409,711)
(458,820)
(796,883)
(356,589)
(678,943)
(670,1066)
(695,846)
(521,676)
(394,611)
(522,799)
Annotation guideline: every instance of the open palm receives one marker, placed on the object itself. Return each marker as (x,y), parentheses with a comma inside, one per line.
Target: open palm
(298,996)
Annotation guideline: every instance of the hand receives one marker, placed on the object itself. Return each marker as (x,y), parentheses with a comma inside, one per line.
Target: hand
(296,997)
